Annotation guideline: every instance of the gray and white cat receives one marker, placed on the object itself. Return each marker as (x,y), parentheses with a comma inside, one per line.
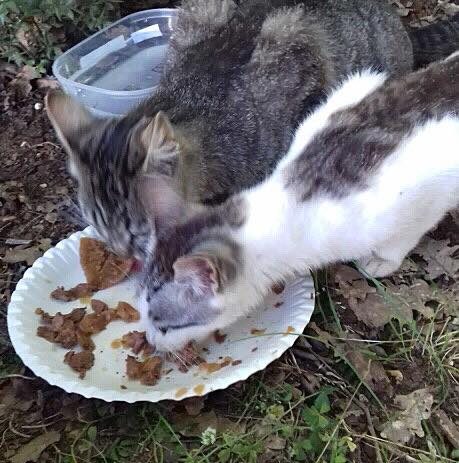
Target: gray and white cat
(239,78)
(367,174)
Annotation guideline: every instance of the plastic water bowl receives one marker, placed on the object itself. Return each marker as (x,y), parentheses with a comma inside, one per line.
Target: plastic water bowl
(116,68)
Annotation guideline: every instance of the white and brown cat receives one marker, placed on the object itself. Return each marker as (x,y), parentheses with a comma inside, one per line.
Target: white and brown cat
(367,174)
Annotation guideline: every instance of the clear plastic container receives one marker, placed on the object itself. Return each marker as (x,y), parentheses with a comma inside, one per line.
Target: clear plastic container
(116,68)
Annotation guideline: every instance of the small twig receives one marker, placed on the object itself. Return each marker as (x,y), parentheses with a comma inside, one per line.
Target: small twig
(14,431)
(13,375)
(371,429)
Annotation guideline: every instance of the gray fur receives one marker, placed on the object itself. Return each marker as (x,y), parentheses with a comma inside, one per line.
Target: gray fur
(238,79)
(357,140)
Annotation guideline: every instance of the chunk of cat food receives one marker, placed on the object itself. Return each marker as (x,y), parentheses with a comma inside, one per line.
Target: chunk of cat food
(79,291)
(101,267)
(60,329)
(81,362)
(126,312)
(133,368)
(186,358)
(219,337)
(98,306)
(147,372)
(134,340)
(278,288)
(151,371)
(85,341)
(66,335)
(94,323)
(46,332)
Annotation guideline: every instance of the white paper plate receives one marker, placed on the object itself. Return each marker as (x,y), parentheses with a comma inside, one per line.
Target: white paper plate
(60,266)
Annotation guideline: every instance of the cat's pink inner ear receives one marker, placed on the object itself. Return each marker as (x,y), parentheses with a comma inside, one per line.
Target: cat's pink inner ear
(198,271)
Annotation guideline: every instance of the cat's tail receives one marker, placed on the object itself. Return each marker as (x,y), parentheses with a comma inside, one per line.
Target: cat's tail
(434,42)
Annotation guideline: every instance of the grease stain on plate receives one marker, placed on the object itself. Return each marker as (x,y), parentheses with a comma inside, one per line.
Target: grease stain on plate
(116,344)
(257,332)
(199,389)
(181,392)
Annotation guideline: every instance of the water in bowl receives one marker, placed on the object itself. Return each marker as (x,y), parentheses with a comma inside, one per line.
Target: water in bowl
(135,67)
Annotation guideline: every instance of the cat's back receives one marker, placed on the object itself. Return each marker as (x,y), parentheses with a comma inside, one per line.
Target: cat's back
(358,139)
(364,34)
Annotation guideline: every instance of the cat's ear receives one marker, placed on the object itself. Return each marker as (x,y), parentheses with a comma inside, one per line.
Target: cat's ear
(159,141)
(68,117)
(199,272)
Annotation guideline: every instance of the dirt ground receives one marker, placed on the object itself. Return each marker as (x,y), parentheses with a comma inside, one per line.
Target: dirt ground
(361,364)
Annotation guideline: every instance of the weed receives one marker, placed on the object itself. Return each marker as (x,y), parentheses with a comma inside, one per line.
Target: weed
(34,32)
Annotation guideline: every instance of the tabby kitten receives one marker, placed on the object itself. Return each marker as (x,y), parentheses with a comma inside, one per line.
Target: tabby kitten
(367,174)
(239,77)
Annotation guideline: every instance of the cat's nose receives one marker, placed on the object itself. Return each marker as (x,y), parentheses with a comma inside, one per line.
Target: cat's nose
(163,329)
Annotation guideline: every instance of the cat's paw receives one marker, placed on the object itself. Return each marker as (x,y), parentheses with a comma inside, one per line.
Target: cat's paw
(377,267)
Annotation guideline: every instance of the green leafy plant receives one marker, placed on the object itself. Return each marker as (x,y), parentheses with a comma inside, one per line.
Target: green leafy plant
(34,32)
(321,431)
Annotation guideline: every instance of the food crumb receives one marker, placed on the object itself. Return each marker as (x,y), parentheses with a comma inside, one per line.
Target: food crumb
(123,386)
(278,304)
(290,329)
(219,337)
(79,291)
(257,332)
(199,389)
(254,349)
(126,312)
(181,392)
(116,344)
(278,287)
(236,362)
(212,367)
(147,372)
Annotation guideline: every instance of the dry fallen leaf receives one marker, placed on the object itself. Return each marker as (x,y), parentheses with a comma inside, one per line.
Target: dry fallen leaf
(33,449)
(47,82)
(450,430)
(415,407)
(21,83)
(368,306)
(415,296)
(194,405)
(28,255)
(275,443)
(369,370)
(438,255)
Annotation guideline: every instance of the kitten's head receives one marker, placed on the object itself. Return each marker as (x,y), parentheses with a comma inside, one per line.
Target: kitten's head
(196,281)
(194,302)
(119,163)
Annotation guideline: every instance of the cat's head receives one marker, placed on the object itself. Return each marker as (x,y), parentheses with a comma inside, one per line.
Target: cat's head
(191,305)
(119,163)
(196,282)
